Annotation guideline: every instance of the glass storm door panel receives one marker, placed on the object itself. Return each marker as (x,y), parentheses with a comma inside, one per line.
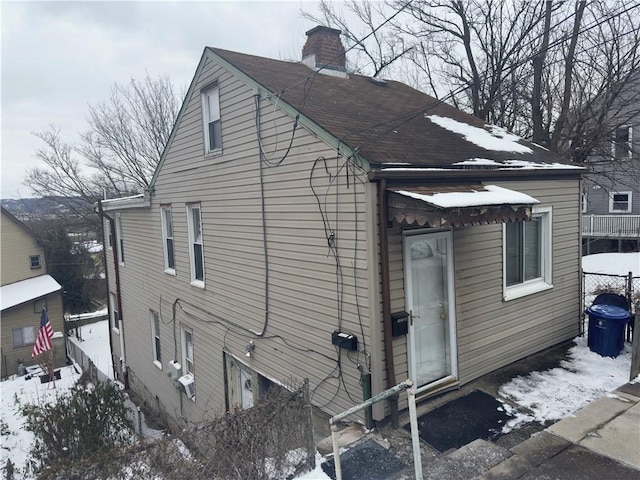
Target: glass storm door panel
(429,294)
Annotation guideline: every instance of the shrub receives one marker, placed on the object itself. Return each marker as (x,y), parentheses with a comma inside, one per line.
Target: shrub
(81,428)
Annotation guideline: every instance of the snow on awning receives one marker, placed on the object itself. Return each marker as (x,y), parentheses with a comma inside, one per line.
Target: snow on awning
(26,290)
(458,205)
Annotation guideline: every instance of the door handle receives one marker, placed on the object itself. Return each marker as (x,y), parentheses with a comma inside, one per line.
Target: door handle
(412,316)
(443,313)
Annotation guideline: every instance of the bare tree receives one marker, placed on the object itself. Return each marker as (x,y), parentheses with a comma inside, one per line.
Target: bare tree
(559,73)
(117,155)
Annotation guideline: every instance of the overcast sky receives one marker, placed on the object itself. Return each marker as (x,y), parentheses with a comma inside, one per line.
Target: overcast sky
(59,57)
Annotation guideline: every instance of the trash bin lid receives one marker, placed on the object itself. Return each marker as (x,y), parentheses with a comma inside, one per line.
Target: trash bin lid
(610,312)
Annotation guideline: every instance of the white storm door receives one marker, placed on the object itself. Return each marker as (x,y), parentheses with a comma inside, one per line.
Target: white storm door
(430,301)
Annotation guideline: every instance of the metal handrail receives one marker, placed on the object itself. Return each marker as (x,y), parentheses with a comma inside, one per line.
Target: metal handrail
(413,417)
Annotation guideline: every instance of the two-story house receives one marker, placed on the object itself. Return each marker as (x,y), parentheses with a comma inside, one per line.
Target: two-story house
(304,222)
(611,193)
(25,290)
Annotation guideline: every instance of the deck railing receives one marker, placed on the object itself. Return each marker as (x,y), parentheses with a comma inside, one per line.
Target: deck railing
(625,226)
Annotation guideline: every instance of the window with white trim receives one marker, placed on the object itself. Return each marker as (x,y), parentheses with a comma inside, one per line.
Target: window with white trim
(211,119)
(196,251)
(23,336)
(583,202)
(107,229)
(188,364)
(34,261)
(115,314)
(622,142)
(527,253)
(620,202)
(167,239)
(155,339)
(119,239)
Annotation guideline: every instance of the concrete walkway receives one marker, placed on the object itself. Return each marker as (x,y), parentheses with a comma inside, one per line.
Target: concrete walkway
(601,441)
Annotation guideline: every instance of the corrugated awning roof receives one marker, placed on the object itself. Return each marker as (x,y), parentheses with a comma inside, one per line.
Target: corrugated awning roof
(20,292)
(457,205)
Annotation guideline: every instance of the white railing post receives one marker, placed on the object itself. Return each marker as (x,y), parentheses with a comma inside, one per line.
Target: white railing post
(407,384)
(415,437)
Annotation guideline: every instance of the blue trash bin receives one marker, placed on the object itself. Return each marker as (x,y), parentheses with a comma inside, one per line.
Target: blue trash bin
(606,329)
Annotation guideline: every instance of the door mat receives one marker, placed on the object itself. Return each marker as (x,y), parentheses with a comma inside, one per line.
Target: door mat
(367,460)
(463,420)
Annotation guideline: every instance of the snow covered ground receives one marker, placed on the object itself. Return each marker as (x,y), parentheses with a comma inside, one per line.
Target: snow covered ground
(554,394)
(612,263)
(550,395)
(16,441)
(94,342)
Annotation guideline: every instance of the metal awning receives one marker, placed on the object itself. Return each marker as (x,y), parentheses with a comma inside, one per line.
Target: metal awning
(449,205)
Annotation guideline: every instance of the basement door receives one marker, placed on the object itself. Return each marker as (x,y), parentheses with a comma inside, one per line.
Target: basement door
(428,262)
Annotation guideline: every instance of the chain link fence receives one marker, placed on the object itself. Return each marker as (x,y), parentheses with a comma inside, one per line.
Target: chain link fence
(593,284)
(272,440)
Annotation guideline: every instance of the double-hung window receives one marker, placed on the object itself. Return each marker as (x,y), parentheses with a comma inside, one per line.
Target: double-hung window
(107,228)
(622,142)
(167,237)
(527,251)
(115,314)
(196,252)
(187,352)
(155,338)
(119,239)
(620,202)
(211,119)
(23,336)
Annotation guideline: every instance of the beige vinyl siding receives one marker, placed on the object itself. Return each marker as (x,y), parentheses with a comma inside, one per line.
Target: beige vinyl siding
(28,315)
(111,276)
(17,247)
(303,305)
(492,333)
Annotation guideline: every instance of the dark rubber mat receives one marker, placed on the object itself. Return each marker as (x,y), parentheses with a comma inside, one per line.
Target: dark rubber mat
(463,420)
(368,460)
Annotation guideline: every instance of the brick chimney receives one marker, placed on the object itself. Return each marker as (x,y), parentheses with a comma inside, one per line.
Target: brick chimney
(324,50)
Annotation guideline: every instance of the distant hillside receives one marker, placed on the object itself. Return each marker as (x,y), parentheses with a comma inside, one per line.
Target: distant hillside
(37,208)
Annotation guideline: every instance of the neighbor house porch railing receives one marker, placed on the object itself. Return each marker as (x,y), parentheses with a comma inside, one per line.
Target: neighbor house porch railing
(627,226)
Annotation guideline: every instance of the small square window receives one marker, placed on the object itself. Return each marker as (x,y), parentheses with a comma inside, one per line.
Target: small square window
(23,336)
(620,202)
(35,261)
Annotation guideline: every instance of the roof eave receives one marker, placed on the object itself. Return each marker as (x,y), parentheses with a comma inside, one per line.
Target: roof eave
(137,201)
(439,175)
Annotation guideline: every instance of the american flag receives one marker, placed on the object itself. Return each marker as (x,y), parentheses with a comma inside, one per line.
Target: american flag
(43,342)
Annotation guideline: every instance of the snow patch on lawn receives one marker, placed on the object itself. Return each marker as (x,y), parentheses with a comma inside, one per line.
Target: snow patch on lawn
(16,441)
(612,263)
(554,394)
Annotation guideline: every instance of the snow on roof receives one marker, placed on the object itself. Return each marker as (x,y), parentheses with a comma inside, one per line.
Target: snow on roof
(121,199)
(525,165)
(513,164)
(491,195)
(490,138)
(26,290)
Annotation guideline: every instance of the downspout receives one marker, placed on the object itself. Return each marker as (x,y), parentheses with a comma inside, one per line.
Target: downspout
(386,298)
(116,269)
